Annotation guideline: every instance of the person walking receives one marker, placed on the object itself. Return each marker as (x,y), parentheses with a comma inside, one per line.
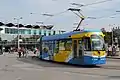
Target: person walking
(26,52)
(109,50)
(34,52)
(19,53)
(23,52)
(113,50)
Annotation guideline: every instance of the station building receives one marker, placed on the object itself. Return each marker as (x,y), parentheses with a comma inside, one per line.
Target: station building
(28,36)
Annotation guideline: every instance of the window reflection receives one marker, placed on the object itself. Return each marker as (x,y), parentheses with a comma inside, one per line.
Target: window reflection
(97,42)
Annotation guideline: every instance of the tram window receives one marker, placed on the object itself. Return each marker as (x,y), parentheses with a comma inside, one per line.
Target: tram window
(65,45)
(87,45)
(50,45)
(97,42)
(68,45)
(45,47)
(61,45)
(56,47)
(80,44)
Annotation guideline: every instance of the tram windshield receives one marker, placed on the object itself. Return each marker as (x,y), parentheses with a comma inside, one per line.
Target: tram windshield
(97,42)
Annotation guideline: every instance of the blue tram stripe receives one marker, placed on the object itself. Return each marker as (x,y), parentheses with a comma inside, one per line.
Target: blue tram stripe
(88,60)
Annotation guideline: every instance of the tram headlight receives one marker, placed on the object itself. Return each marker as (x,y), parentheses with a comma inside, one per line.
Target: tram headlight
(94,54)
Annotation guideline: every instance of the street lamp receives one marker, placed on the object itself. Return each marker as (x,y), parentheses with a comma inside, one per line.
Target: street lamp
(18,19)
(112,33)
(113,28)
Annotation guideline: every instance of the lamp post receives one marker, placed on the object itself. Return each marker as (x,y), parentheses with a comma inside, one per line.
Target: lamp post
(18,19)
(112,33)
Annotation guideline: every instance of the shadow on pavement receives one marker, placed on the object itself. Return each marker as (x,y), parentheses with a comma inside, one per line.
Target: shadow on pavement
(45,63)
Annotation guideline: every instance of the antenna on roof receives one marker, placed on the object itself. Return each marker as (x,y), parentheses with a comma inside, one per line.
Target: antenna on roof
(79,15)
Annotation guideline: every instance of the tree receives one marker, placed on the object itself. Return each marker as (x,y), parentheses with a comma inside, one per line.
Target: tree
(108,36)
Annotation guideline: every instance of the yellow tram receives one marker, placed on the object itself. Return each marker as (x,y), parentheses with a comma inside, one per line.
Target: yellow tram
(85,47)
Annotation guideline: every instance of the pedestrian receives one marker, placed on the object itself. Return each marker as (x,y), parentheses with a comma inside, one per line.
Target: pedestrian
(113,50)
(9,51)
(23,51)
(19,53)
(109,50)
(26,52)
(35,50)
(34,53)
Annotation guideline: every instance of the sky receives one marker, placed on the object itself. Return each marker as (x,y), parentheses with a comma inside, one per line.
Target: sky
(11,9)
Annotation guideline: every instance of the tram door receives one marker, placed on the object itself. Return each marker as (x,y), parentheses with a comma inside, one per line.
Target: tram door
(80,48)
(51,51)
(77,48)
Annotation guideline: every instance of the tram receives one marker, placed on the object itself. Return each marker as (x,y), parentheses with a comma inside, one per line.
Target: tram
(85,47)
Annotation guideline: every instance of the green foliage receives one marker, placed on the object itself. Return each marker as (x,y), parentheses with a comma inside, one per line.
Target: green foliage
(108,37)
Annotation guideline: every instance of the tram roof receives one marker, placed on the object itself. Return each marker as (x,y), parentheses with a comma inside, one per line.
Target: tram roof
(66,35)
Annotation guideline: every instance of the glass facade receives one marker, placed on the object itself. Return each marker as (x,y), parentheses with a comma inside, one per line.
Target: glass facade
(49,33)
(53,32)
(44,32)
(31,31)
(21,31)
(34,32)
(28,31)
(39,32)
(7,30)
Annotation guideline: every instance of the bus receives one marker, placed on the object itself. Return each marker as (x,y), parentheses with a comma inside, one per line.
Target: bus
(85,47)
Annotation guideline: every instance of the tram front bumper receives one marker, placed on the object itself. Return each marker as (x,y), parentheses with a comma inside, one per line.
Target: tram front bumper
(94,60)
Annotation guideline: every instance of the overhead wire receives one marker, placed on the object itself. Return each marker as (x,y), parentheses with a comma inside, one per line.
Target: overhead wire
(55,14)
(106,16)
(99,2)
(102,17)
(94,3)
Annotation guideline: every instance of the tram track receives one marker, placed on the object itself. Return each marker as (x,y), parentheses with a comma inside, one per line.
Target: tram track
(95,73)
(116,77)
(111,67)
(76,70)
(115,67)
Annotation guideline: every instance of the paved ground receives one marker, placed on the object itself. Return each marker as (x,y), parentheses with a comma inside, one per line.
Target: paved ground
(13,68)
